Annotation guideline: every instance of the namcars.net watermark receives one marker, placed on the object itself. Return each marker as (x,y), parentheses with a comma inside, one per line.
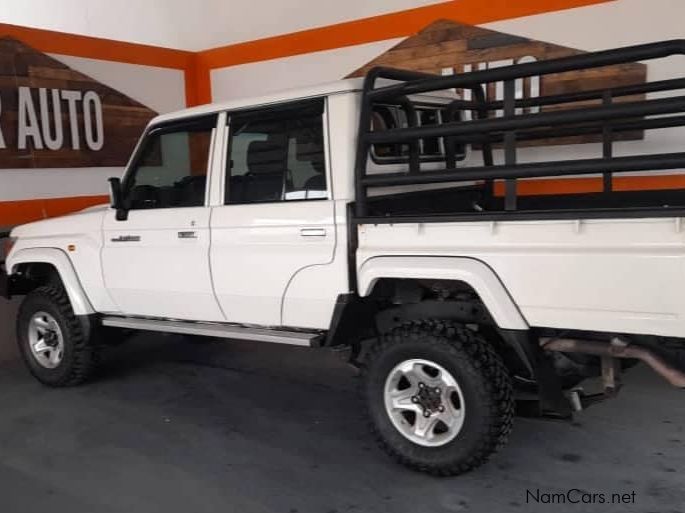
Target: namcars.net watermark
(578,496)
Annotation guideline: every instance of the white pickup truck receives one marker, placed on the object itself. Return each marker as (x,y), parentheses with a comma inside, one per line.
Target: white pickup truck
(382,216)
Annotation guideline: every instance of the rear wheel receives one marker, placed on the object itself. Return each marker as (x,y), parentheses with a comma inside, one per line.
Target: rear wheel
(55,345)
(439,397)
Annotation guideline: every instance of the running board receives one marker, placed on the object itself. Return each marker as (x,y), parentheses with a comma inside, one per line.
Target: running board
(208,329)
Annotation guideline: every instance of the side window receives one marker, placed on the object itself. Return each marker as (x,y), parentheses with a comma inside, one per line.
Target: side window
(389,117)
(277,154)
(171,168)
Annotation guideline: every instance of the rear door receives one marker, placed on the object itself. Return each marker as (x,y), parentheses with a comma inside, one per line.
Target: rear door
(277,224)
(156,262)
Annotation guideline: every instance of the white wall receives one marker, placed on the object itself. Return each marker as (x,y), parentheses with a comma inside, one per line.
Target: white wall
(141,21)
(161,89)
(298,71)
(237,20)
(596,27)
(191,25)
(602,26)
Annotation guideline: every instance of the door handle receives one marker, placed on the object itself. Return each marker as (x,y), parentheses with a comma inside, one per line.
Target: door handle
(313,232)
(126,238)
(187,235)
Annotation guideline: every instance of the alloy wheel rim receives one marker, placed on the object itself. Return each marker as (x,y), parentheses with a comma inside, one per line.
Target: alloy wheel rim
(46,340)
(424,402)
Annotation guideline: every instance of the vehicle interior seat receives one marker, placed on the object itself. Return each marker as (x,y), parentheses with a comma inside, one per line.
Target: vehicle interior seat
(265,179)
(191,191)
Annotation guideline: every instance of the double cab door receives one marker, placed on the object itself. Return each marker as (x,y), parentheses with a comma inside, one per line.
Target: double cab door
(155,262)
(226,214)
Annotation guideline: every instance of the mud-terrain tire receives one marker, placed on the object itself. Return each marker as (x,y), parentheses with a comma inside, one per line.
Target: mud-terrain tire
(56,346)
(477,396)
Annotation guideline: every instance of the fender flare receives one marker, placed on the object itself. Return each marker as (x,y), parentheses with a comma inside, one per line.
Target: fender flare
(61,262)
(477,274)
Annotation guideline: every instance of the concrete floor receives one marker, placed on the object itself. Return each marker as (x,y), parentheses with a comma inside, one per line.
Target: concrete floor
(228,426)
(8,314)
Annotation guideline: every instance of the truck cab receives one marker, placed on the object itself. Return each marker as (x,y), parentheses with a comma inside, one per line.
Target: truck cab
(258,177)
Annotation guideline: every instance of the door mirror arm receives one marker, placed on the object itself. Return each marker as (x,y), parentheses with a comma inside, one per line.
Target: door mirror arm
(117,199)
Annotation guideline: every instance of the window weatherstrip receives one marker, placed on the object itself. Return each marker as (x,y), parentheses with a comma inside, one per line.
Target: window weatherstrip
(215,196)
(328,171)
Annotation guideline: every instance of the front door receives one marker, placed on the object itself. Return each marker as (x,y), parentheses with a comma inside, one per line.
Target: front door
(275,236)
(156,262)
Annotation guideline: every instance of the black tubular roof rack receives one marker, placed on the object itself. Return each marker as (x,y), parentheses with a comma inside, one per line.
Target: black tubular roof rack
(523,119)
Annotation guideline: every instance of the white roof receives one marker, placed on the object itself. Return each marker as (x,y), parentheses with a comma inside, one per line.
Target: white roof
(340,86)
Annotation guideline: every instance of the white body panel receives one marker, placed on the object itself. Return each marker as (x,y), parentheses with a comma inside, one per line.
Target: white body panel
(257,249)
(82,232)
(59,260)
(614,275)
(280,263)
(474,272)
(161,274)
(311,294)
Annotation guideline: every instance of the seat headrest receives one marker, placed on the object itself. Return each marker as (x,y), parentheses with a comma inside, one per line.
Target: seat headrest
(265,157)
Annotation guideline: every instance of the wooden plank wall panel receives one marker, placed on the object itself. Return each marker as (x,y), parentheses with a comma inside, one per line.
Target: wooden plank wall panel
(124,119)
(446,44)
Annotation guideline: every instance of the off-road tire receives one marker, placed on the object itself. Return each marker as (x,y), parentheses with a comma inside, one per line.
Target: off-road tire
(80,350)
(482,376)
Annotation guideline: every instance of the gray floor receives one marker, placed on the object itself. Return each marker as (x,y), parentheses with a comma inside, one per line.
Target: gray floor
(175,426)
(8,313)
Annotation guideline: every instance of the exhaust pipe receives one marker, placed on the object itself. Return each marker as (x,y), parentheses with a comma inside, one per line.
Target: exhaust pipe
(617,348)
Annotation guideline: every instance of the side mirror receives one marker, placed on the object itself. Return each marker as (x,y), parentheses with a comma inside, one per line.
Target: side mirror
(117,199)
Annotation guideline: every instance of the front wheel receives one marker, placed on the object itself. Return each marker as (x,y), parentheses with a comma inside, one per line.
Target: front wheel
(439,397)
(56,347)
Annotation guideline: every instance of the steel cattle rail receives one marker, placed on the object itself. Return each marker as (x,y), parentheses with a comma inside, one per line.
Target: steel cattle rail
(606,119)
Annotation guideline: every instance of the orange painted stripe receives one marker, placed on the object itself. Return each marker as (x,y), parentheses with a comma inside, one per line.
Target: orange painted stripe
(13,213)
(378,28)
(587,185)
(98,48)
(49,41)
(198,82)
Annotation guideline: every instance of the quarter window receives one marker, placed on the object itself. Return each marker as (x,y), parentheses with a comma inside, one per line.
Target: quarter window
(277,154)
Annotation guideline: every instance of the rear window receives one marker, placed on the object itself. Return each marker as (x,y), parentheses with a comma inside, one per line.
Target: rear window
(389,117)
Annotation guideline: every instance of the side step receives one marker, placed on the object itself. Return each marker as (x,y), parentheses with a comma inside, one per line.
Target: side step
(210,329)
